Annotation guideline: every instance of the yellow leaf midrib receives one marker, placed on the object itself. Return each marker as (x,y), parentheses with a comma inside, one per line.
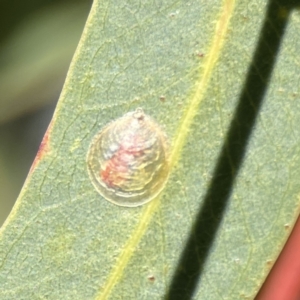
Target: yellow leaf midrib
(211,58)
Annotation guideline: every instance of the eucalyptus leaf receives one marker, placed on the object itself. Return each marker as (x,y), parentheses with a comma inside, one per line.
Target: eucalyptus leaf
(221,78)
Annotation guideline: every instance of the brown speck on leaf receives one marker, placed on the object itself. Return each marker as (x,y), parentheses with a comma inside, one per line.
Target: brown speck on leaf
(200,54)
(245,17)
(269,262)
(139,114)
(162,98)
(141,117)
(151,278)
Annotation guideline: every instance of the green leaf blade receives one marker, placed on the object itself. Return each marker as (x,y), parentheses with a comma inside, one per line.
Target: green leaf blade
(64,239)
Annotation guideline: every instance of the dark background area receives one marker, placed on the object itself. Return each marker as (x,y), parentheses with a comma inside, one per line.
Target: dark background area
(37,41)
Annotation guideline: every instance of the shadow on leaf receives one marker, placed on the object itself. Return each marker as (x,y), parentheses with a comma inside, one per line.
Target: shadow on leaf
(190,265)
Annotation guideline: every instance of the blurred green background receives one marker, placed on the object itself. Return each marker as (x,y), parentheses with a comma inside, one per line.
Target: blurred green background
(37,41)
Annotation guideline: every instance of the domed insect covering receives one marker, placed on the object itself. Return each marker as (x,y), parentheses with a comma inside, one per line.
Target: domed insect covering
(128,160)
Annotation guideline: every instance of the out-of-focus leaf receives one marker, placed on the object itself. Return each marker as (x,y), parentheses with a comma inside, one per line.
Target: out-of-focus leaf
(19,142)
(222,78)
(8,188)
(35,59)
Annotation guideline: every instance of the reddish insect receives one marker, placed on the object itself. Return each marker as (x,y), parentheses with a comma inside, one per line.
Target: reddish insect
(128,160)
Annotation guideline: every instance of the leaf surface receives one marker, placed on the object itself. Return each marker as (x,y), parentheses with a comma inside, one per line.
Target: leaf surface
(221,79)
